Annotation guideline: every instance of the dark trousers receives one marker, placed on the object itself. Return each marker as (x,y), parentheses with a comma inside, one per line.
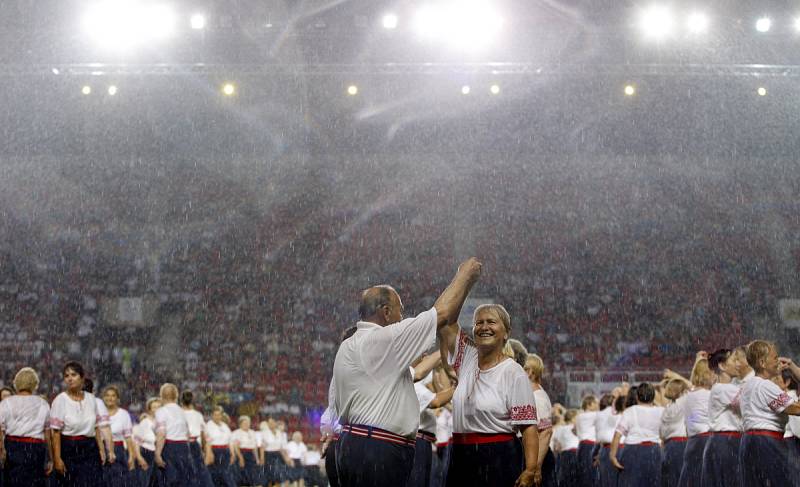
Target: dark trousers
(82,460)
(607,473)
(764,462)
(369,462)
(692,469)
(220,470)
(25,464)
(495,464)
(721,462)
(672,462)
(568,473)
(423,458)
(330,464)
(642,466)
(587,472)
(441,463)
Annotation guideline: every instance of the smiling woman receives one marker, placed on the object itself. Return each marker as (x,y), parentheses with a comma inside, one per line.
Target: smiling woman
(493,401)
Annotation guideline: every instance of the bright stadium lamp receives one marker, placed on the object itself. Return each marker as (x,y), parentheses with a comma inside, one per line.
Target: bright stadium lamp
(352,90)
(656,22)
(761,91)
(389,21)
(112,90)
(197,21)
(228,89)
(630,90)
(764,24)
(465,25)
(697,23)
(121,25)
(465,90)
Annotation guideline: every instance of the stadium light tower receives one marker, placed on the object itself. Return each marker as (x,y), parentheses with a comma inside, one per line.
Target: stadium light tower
(197,21)
(124,24)
(389,21)
(697,23)
(656,22)
(764,24)
(468,25)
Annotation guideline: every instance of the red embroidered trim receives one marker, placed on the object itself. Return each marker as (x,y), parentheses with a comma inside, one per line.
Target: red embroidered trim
(780,402)
(462,344)
(523,413)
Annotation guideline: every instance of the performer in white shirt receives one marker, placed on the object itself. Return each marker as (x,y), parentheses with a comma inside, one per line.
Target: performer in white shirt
(673,431)
(565,444)
(144,437)
(329,425)
(765,408)
(74,415)
(587,434)
(605,424)
(640,461)
(172,441)
(245,448)
(534,368)
(25,437)
(275,459)
(697,423)
(444,435)
(492,403)
(198,445)
(121,471)
(218,435)
(721,455)
(375,395)
(311,467)
(296,450)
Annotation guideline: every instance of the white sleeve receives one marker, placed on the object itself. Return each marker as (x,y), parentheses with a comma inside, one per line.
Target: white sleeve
(772,396)
(544,411)
(161,421)
(623,424)
(127,429)
(464,345)
(413,336)
(57,413)
(102,418)
(424,395)
(330,417)
(519,399)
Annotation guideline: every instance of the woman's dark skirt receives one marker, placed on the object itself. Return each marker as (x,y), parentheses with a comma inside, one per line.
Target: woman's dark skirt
(250,474)
(642,465)
(764,461)
(495,464)
(147,478)
(117,473)
(587,471)
(549,478)
(220,471)
(568,474)
(25,463)
(82,460)
(606,471)
(179,470)
(672,463)
(203,476)
(275,467)
(721,461)
(692,469)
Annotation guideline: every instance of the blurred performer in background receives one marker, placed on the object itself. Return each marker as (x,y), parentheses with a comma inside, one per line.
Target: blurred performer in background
(534,367)
(144,437)
(697,424)
(493,401)
(245,446)
(673,432)
(25,438)
(172,454)
(218,435)
(605,425)
(119,472)
(587,434)
(74,415)
(198,443)
(640,461)
(565,444)
(375,395)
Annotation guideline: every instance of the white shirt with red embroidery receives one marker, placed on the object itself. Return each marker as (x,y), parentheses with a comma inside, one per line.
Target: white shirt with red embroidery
(172,422)
(497,400)
(640,424)
(695,411)
(762,403)
(77,418)
(27,416)
(544,409)
(673,420)
(723,408)
(121,426)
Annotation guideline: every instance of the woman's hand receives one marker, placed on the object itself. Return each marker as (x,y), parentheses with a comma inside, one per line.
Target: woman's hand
(209,459)
(233,459)
(59,466)
(112,457)
(143,463)
(160,461)
(529,478)
(48,468)
(131,462)
(241,463)
(616,463)
(102,456)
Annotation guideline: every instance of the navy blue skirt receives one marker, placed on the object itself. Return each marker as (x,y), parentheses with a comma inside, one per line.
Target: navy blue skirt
(692,469)
(587,472)
(250,474)
(179,469)
(497,464)
(549,478)
(203,476)
(423,461)
(764,461)
(568,473)
(220,470)
(82,460)
(607,473)
(117,473)
(642,466)
(25,463)
(147,477)
(275,469)
(672,462)
(721,461)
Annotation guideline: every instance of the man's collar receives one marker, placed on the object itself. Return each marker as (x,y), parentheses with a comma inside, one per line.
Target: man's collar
(367,325)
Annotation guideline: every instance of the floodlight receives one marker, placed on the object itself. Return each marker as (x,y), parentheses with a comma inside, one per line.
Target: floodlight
(123,24)
(697,23)
(112,90)
(197,21)
(764,24)
(352,90)
(761,91)
(466,25)
(630,90)
(656,22)
(465,90)
(797,24)
(494,89)
(228,89)
(390,21)
(86,90)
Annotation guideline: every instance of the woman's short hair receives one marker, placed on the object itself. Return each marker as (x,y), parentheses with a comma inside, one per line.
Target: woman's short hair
(499,310)
(702,375)
(645,393)
(111,388)
(675,389)
(242,419)
(75,367)
(535,366)
(717,358)
(168,392)
(758,350)
(187,398)
(150,402)
(218,409)
(570,415)
(631,399)
(606,401)
(588,401)
(619,404)
(26,380)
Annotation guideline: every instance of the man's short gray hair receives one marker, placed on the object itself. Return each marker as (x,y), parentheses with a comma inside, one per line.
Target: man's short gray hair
(373,299)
